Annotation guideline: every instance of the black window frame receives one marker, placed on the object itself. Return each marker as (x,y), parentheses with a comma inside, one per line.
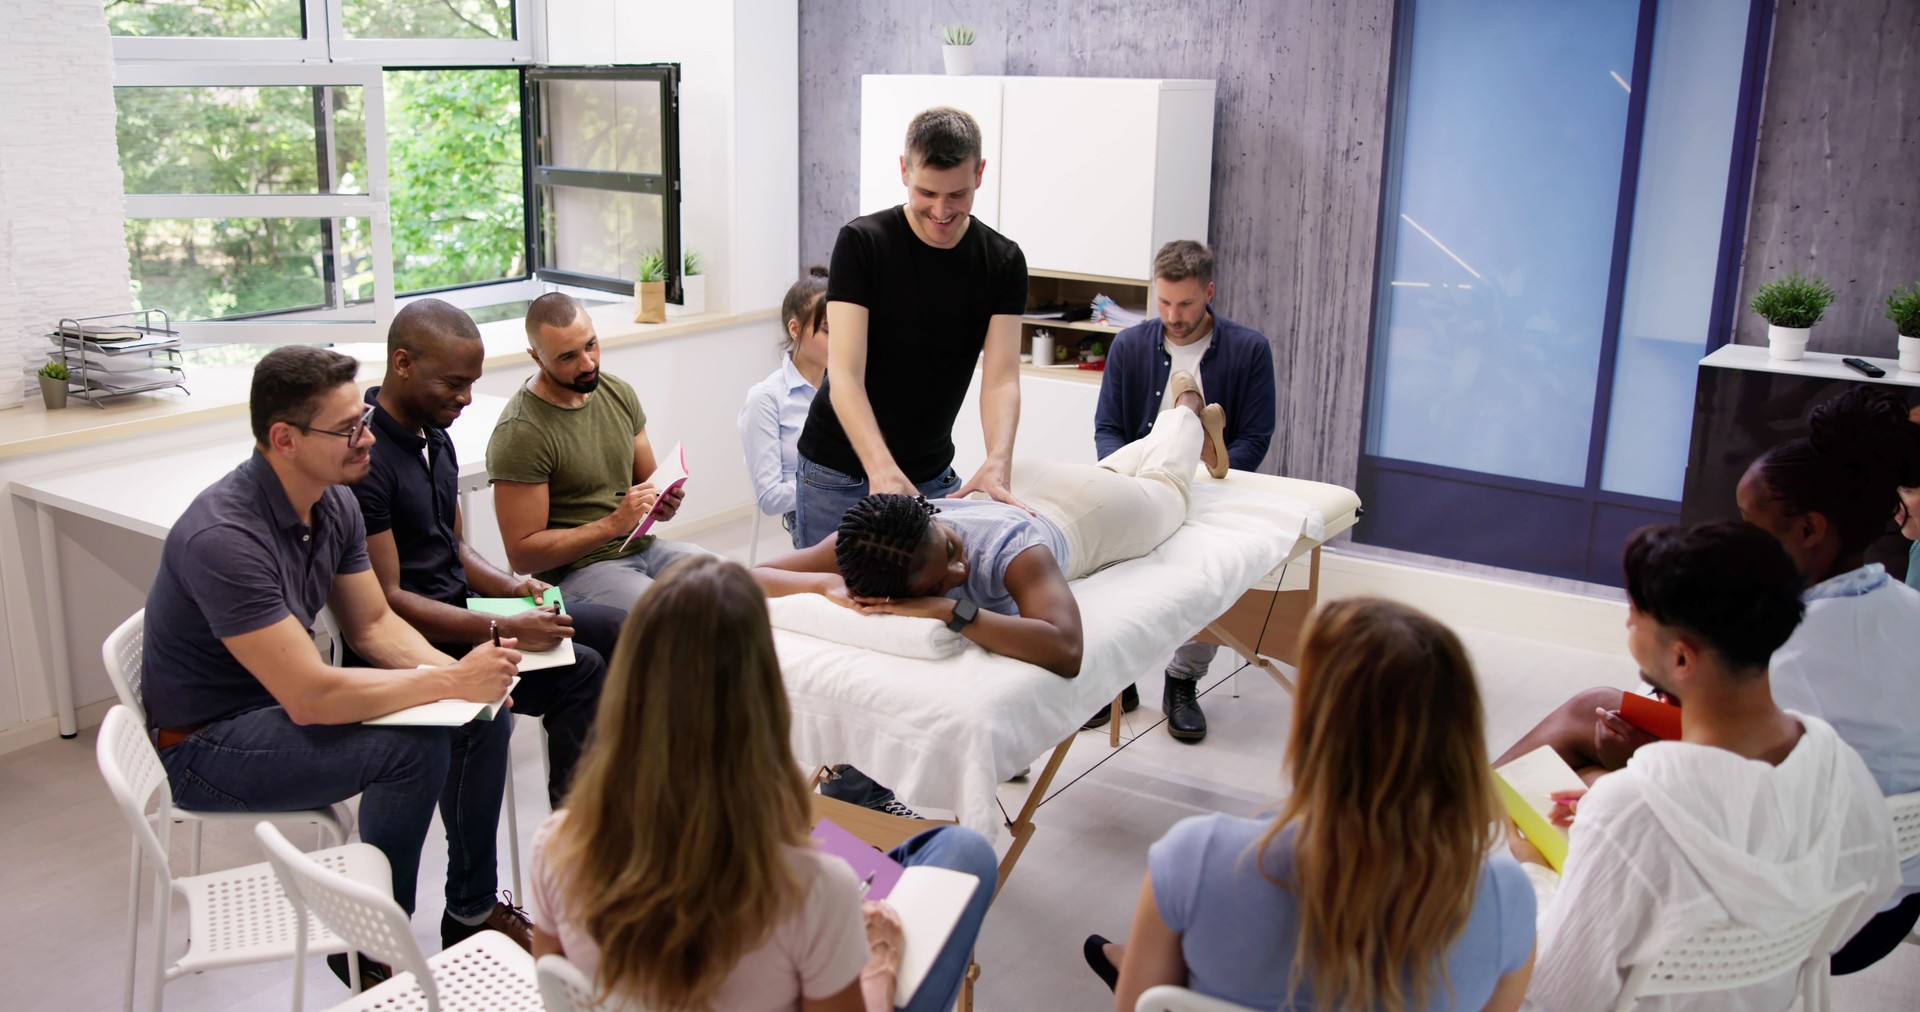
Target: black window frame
(541,173)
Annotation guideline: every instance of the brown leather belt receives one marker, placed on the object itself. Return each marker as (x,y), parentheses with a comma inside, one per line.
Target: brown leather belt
(168,737)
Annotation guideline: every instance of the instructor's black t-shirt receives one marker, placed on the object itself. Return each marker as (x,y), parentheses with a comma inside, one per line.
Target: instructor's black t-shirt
(927,312)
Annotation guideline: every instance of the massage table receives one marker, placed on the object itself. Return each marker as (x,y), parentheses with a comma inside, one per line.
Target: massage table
(944,733)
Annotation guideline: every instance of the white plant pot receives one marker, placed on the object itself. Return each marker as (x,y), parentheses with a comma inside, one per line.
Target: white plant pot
(1909,353)
(959,60)
(1787,344)
(693,296)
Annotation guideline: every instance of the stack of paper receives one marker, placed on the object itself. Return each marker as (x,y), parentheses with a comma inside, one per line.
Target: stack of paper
(1111,313)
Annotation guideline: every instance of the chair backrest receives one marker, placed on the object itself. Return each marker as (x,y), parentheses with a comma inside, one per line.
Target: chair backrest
(122,653)
(1905,809)
(134,775)
(1730,958)
(1169,998)
(361,915)
(564,988)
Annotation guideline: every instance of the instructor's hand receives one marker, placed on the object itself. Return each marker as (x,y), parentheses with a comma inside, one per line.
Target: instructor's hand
(892,483)
(994,479)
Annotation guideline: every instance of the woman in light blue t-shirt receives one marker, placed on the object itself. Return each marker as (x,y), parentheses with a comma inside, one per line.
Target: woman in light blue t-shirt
(1378,885)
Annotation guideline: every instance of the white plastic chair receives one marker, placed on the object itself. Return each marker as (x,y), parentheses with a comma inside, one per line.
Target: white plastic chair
(565,989)
(753,540)
(122,652)
(1905,809)
(1729,958)
(234,917)
(1171,998)
(487,971)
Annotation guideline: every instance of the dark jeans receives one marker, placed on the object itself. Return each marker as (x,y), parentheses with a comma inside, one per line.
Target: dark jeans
(823,495)
(1877,937)
(263,762)
(959,849)
(565,700)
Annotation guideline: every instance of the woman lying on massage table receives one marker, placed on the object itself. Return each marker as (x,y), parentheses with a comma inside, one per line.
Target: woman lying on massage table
(997,573)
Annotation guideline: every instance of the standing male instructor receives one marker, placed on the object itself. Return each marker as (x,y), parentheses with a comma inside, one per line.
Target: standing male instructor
(915,293)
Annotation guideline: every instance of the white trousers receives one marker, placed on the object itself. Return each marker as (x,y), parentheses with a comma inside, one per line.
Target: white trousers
(1125,506)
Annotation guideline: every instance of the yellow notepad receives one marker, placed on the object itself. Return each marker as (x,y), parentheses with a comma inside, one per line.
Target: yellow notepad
(1526,786)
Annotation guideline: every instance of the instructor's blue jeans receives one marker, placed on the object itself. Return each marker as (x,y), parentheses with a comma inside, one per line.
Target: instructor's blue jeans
(263,762)
(959,849)
(823,495)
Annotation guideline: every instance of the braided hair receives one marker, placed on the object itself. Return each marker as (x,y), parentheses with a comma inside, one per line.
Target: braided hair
(879,542)
(1859,451)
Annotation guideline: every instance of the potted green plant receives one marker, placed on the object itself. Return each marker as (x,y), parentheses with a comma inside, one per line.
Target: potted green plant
(1903,308)
(693,283)
(53,384)
(1791,306)
(650,288)
(958,49)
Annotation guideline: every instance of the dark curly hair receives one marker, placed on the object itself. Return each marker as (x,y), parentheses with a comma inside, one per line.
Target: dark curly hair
(1859,450)
(1729,583)
(879,539)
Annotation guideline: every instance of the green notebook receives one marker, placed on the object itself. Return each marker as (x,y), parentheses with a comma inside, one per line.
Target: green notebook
(530,660)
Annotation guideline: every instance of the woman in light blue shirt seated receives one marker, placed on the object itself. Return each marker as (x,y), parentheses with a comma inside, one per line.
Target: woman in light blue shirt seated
(1379,885)
(776,408)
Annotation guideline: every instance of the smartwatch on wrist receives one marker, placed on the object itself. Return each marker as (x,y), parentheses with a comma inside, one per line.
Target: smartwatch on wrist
(964,612)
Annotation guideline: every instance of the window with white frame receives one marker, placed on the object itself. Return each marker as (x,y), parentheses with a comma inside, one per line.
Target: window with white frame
(294,167)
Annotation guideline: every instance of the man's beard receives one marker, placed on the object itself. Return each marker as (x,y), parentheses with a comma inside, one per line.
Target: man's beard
(584,385)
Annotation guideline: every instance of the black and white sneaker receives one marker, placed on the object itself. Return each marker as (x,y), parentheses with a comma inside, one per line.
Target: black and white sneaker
(892,806)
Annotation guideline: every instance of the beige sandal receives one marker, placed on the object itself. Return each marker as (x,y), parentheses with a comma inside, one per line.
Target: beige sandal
(1180,383)
(1213,418)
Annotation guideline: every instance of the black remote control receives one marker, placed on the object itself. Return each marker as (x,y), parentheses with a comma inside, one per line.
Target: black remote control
(1864,366)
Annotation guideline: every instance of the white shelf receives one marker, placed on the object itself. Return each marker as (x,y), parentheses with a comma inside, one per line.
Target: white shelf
(1816,364)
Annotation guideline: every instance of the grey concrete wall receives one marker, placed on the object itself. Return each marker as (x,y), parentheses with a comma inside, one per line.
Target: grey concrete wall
(1298,132)
(1836,188)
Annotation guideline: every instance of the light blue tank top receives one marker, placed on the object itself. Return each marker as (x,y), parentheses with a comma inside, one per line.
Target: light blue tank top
(991,535)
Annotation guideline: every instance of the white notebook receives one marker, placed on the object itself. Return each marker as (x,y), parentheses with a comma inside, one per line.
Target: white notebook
(930,902)
(447,712)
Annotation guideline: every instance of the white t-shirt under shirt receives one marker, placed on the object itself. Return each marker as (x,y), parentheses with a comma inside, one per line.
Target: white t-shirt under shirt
(1186,360)
(815,953)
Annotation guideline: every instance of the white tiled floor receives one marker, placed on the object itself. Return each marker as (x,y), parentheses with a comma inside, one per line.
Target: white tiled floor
(63,849)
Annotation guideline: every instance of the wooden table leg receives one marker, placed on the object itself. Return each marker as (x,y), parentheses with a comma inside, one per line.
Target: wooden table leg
(1022,825)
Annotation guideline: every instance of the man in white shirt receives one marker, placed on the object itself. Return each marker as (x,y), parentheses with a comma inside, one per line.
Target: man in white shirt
(1756,817)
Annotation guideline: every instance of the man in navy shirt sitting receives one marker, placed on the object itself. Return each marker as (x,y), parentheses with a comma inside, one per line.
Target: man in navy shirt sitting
(247,715)
(1234,364)
(411,501)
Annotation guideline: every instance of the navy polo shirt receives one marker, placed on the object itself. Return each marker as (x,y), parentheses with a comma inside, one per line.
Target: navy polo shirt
(412,488)
(238,560)
(1236,372)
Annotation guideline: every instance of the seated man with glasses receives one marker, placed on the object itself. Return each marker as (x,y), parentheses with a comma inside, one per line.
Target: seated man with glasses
(245,712)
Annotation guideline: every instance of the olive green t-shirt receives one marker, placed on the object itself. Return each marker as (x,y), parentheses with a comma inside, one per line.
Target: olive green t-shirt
(583,455)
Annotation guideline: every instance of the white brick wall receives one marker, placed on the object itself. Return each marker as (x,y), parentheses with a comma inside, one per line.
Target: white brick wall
(62,234)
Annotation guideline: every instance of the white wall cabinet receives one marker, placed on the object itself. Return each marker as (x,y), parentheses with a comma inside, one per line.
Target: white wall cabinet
(888,102)
(1088,175)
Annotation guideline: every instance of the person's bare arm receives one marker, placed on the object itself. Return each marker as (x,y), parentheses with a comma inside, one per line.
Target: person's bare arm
(1512,988)
(1152,954)
(370,624)
(483,577)
(438,622)
(804,571)
(847,391)
(282,657)
(532,548)
(999,410)
(1047,630)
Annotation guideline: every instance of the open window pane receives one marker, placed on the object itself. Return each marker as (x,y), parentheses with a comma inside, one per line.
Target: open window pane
(242,140)
(210,269)
(604,125)
(600,232)
(232,19)
(455,168)
(428,19)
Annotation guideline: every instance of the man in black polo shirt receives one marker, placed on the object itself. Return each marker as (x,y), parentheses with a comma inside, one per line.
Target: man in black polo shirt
(916,292)
(246,714)
(411,501)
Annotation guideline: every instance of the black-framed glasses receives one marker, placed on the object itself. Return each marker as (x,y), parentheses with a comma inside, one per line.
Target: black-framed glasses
(352,436)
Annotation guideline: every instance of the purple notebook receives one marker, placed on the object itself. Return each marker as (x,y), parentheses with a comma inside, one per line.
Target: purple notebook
(879,871)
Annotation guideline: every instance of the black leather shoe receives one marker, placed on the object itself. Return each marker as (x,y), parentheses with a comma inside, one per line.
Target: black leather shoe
(1129,702)
(372,974)
(1181,704)
(1095,951)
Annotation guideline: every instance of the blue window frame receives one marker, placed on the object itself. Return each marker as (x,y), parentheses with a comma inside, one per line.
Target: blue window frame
(1559,227)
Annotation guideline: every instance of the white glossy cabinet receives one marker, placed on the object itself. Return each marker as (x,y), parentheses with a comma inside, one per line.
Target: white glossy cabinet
(1088,175)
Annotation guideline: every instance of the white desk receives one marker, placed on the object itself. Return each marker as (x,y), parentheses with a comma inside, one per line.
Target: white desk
(148,495)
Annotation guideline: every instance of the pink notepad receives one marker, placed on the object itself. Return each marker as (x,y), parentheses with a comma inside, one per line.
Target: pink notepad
(670,475)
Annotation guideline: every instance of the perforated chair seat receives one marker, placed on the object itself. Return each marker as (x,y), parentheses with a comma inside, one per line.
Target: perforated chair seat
(242,915)
(1728,958)
(487,971)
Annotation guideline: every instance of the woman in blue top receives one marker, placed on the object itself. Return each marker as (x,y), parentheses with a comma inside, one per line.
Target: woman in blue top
(1378,885)
(776,408)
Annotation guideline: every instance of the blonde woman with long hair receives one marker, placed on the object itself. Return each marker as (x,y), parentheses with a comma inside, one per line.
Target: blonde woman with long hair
(679,873)
(1377,886)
